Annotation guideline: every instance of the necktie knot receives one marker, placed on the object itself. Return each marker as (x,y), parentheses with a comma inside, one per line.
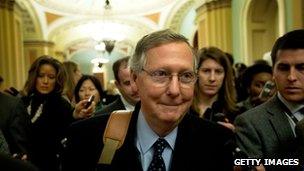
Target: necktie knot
(159,145)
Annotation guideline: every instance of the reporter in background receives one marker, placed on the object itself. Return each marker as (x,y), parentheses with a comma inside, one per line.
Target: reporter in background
(268,130)
(73,74)
(87,86)
(253,81)
(49,113)
(128,97)
(215,94)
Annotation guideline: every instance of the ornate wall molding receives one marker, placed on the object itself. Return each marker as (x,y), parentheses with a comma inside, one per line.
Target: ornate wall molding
(10,4)
(2,3)
(39,43)
(7,4)
(214,5)
(174,22)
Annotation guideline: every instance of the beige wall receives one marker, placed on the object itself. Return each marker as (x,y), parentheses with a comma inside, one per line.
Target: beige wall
(11,47)
(214,25)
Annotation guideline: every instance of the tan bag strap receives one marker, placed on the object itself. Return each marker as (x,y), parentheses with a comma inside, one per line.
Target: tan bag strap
(114,134)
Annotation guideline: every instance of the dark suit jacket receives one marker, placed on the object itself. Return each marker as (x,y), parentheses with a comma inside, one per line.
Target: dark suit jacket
(265,132)
(10,164)
(14,124)
(200,145)
(116,105)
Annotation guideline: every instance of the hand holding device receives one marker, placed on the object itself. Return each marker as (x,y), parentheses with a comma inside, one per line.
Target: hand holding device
(90,100)
(267,89)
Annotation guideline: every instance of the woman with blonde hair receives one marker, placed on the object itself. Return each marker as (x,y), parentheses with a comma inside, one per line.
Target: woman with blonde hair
(73,74)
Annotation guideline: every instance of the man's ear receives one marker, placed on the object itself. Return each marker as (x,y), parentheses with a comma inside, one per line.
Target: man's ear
(133,81)
(116,83)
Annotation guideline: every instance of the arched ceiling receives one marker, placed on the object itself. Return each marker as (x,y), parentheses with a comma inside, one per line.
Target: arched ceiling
(74,24)
(124,29)
(97,7)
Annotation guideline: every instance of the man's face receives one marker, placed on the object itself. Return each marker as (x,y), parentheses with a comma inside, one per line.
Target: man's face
(288,74)
(124,85)
(167,104)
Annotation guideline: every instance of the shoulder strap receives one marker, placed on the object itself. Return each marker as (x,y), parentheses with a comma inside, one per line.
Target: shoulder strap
(114,134)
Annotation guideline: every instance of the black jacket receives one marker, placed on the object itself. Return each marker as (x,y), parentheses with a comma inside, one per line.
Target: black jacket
(14,124)
(49,129)
(200,145)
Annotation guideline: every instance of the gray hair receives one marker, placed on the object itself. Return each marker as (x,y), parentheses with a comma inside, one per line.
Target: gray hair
(155,39)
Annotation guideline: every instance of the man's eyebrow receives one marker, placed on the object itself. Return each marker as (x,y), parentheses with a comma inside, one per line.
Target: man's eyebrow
(282,63)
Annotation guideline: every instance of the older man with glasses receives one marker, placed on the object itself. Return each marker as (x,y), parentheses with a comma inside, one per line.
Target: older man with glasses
(162,135)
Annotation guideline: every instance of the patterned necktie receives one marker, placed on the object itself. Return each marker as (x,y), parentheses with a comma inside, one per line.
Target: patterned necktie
(157,163)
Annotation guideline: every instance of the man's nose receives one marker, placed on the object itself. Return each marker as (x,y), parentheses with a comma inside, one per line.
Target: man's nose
(292,74)
(174,86)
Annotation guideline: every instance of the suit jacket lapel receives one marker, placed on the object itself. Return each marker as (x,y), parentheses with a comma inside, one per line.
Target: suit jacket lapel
(279,120)
(128,156)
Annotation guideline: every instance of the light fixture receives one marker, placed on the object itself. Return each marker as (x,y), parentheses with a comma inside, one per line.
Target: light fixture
(106,37)
(109,45)
(107,5)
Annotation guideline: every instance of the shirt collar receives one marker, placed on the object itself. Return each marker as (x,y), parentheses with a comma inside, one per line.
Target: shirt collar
(147,137)
(127,105)
(293,107)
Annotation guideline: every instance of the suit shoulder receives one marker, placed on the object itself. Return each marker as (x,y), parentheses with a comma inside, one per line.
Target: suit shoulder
(116,105)
(90,123)
(207,128)
(257,112)
(9,100)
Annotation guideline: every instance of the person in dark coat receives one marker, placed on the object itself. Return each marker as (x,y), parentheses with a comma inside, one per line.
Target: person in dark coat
(162,134)
(268,130)
(48,112)
(14,125)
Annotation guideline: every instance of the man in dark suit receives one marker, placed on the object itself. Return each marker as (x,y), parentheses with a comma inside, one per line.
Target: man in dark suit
(267,131)
(162,134)
(14,125)
(128,97)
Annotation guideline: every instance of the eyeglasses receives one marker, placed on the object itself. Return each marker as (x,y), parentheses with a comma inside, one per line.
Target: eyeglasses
(163,78)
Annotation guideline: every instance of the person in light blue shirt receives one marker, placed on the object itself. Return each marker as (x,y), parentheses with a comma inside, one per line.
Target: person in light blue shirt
(145,140)
(162,134)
